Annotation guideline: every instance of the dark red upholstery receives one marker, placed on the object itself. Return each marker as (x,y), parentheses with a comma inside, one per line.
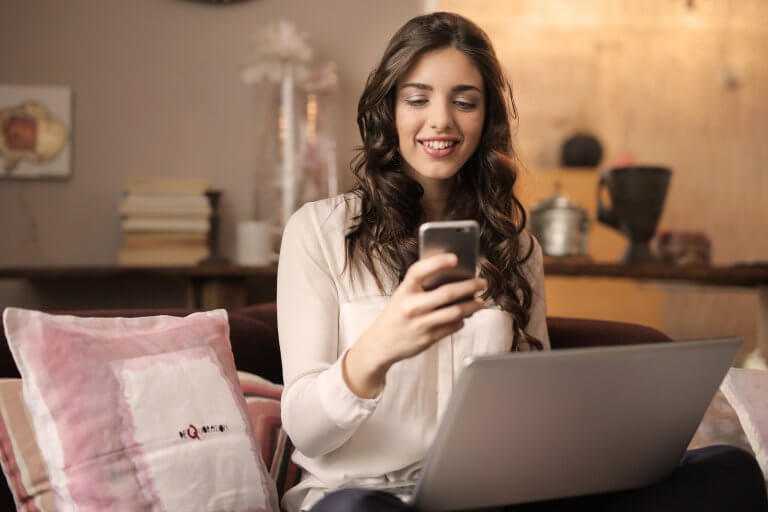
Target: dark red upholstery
(581,332)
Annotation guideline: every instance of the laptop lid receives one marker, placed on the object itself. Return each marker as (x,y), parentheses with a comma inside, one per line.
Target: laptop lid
(533,426)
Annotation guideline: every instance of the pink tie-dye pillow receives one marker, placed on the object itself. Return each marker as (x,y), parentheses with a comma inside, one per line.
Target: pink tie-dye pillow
(139,413)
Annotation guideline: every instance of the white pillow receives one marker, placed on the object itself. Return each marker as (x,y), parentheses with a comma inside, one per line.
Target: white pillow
(139,413)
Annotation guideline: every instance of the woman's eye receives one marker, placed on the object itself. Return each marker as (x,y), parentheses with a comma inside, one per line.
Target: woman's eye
(416,102)
(464,105)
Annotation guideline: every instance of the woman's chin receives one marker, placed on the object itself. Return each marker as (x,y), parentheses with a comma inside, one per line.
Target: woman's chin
(434,173)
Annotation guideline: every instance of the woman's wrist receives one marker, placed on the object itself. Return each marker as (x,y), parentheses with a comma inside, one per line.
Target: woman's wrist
(364,372)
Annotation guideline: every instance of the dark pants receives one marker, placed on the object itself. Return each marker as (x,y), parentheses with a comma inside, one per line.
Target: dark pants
(716,478)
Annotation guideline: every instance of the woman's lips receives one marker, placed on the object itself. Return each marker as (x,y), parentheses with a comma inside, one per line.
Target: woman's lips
(435,149)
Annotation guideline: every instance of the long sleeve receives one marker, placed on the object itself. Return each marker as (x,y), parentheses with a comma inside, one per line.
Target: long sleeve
(319,412)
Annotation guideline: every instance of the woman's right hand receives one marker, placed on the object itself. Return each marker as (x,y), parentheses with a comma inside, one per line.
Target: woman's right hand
(412,321)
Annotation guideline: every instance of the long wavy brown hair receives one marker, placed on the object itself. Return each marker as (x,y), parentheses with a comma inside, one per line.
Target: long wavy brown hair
(383,237)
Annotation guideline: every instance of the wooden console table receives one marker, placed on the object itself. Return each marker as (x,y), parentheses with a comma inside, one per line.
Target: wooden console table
(208,286)
(212,286)
(741,276)
(733,276)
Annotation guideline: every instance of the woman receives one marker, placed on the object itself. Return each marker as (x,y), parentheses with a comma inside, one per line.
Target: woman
(369,356)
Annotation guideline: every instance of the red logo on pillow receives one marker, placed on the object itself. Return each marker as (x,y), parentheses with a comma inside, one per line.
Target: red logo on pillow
(192,432)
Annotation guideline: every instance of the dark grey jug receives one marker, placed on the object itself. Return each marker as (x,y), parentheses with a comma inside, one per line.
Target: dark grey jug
(637,196)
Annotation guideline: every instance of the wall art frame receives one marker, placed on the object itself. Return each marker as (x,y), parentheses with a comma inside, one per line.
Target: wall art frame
(35,132)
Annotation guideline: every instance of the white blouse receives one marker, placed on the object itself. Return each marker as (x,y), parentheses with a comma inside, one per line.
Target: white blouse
(342,440)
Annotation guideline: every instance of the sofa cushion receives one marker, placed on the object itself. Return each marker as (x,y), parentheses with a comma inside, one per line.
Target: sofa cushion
(141,412)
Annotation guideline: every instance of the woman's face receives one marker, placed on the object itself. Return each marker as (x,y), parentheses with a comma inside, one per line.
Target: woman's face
(439,115)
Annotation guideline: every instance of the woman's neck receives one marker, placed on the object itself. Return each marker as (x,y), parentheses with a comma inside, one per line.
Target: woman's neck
(433,207)
(435,197)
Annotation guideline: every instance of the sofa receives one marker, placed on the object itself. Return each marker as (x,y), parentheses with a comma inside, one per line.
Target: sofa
(253,335)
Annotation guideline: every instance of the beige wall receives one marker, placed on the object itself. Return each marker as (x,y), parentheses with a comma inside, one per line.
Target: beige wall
(157,92)
(649,77)
(674,82)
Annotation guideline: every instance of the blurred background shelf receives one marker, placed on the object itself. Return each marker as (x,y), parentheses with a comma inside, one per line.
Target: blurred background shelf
(113,286)
(201,277)
(732,275)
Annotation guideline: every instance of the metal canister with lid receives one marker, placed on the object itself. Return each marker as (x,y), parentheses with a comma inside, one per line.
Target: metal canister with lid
(560,225)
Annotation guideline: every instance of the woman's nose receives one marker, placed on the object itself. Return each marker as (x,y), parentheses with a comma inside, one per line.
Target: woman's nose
(440,116)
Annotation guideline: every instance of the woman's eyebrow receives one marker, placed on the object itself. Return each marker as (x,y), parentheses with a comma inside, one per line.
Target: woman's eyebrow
(416,85)
(455,88)
(462,88)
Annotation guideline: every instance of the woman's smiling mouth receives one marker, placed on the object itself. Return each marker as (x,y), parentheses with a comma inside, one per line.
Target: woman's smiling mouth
(438,148)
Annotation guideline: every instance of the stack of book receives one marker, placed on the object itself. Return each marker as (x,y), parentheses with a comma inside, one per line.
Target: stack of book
(165,221)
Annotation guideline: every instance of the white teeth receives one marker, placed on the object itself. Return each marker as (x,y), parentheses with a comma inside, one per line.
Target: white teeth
(438,144)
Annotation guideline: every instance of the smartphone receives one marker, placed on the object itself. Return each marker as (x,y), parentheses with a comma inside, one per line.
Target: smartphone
(461,237)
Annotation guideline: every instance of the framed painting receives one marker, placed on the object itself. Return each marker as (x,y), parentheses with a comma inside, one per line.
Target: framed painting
(35,132)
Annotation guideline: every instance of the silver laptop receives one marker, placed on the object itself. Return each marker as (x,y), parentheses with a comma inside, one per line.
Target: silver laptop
(535,426)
